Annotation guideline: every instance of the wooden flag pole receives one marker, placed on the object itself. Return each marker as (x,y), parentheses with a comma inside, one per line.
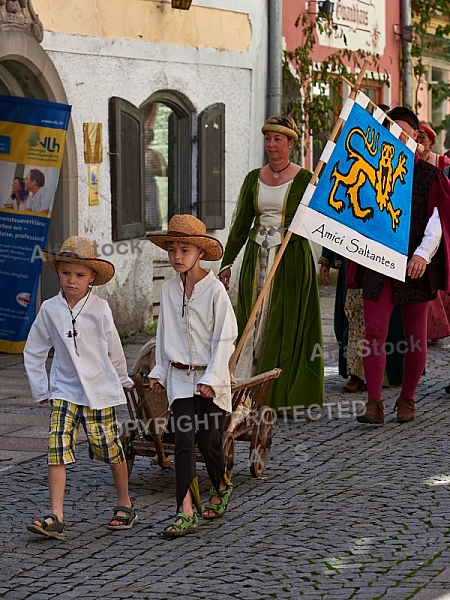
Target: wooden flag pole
(288,235)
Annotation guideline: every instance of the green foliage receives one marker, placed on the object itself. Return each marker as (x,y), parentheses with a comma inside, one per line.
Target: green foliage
(427,42)
(312,91)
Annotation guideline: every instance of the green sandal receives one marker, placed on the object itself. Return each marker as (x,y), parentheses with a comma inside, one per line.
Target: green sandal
(56,529)
(188,525)
(220,508)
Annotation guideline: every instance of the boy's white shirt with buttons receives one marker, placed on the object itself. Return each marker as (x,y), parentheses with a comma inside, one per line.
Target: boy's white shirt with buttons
(204,336)
(96,376)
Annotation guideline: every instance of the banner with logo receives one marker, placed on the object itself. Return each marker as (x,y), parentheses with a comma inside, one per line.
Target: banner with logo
(361,205)
(32,140)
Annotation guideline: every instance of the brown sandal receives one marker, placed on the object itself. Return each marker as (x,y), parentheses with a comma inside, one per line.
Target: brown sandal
(56,529)
(127,521)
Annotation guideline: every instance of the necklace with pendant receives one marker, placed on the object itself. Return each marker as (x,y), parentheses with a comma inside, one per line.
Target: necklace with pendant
(276,173)
(73,334)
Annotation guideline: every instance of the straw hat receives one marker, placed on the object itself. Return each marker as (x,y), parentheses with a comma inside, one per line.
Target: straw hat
(190,230)
(81,251)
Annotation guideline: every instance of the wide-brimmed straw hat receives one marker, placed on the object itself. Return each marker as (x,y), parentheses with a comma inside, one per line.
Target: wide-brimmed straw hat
(188,229)
(81,251)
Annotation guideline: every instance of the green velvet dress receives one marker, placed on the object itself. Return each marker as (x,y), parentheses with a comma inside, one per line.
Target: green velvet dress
(292,338)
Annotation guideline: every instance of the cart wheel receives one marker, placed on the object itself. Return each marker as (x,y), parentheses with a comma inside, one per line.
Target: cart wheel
(228,450)
(125,439)
(261,441)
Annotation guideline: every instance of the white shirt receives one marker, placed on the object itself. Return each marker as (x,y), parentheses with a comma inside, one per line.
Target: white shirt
(204,336)
(96,376)
(431,238)
(41,200)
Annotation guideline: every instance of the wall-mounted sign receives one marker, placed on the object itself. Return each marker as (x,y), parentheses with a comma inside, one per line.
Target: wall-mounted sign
(361,25)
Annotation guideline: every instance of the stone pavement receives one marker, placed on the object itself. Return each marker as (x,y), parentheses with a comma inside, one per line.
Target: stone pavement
(343,511)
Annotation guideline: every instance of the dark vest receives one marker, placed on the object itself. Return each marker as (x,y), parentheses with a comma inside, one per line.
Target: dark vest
(411,290)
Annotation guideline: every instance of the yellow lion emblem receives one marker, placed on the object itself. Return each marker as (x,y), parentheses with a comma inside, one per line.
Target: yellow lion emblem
(382,178)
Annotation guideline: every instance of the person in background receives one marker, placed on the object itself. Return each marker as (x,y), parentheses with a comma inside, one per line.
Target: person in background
(18,199)
(427,137)
(438,320)
(287,332)
(349,329)
(41,199)
(349,324)
(330,260)
(155,166)
(446,170)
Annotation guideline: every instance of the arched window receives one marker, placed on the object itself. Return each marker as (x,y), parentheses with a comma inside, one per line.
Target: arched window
(152,152)
(167,121)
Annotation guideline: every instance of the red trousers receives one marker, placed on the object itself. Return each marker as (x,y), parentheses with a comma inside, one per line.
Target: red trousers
(377,314)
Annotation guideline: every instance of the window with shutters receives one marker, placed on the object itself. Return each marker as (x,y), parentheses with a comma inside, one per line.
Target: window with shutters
(152,150)
(127,170)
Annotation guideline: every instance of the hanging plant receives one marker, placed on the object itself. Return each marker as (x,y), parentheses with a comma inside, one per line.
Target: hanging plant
(430,41)
(313,91)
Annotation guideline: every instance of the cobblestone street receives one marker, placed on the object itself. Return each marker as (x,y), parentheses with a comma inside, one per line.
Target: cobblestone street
(343,511)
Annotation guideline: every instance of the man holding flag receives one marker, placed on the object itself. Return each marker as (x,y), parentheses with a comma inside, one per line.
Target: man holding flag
(427,271)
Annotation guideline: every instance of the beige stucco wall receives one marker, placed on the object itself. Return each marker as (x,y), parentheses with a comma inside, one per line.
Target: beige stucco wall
(149,21)
(132,49)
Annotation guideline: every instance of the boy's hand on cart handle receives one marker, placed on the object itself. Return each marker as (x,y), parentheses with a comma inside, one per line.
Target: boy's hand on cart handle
(205,390)
(43,401)
(155,386)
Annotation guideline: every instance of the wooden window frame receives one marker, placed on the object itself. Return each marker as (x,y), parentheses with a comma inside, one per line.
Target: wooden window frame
(122,227)
(211,112)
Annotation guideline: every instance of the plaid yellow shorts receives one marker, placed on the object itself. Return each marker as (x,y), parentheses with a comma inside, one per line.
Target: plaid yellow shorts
(101,427)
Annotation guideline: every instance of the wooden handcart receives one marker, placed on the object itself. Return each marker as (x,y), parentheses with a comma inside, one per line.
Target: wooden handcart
(252,421)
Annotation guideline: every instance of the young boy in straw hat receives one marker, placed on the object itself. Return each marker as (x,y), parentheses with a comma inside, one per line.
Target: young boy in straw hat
(87,377)
(194,341)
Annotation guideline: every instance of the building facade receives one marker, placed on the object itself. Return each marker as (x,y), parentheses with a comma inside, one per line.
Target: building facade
(167,107)
(371,26)
(436,62)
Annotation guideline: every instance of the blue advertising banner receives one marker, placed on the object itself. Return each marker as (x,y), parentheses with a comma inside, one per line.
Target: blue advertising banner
(361,206)
(32,140)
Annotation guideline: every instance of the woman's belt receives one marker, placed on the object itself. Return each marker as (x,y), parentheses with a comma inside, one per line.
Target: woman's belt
(178,365)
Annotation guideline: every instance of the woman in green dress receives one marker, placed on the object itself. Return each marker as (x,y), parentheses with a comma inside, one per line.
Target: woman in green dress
(287,332)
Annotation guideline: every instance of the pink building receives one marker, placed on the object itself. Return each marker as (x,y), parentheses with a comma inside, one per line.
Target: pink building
(368,25)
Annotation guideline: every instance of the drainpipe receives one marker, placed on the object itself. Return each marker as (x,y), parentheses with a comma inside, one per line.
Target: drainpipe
(275,54)
(406,53)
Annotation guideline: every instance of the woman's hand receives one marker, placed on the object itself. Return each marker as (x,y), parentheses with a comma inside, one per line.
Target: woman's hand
(155,386)
(205,390)
(416,266)
(225,277)
(324,274)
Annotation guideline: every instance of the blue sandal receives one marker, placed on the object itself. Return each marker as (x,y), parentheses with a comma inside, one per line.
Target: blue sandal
(219,508)
(188,525)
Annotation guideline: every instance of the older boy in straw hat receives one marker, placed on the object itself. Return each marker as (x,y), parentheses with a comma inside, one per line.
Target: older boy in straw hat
(194,341)
(87,377)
